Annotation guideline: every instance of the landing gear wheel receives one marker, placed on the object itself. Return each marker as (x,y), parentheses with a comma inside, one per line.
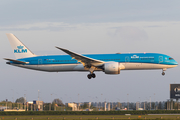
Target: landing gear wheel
(163,73)
(89,76)
(93,75)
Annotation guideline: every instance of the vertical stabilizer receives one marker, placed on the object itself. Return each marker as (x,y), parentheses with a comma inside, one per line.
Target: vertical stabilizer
(19,49)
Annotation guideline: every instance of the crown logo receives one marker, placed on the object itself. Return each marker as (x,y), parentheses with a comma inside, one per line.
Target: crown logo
(20,47)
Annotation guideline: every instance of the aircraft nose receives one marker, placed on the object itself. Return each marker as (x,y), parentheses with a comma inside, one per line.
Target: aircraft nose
(176,63)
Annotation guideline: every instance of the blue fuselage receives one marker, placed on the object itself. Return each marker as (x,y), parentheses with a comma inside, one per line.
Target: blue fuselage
(110,62)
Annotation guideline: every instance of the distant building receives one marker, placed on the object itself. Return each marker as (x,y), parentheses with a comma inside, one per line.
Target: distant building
(35,105)
(73,106)
(105,106)
(39,104)
(109,107)
(137,105)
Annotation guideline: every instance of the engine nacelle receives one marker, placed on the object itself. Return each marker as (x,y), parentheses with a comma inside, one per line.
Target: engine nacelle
(112,68)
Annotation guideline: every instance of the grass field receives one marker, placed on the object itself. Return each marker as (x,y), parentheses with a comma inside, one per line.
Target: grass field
(90,117)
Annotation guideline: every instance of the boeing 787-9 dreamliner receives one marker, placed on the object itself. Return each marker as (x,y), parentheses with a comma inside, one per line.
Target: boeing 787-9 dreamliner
(108,63)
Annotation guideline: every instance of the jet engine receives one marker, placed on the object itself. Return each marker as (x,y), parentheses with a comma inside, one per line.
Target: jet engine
(112,68)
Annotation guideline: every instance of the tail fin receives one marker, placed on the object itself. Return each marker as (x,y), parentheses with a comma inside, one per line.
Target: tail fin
(19,49)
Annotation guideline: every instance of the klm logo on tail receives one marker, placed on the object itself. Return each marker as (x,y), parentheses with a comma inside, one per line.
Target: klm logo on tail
(20,49)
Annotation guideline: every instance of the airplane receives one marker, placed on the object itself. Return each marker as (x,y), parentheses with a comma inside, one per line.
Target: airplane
(110,64)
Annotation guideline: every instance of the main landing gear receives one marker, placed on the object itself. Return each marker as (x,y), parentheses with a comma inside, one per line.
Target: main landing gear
(91,76)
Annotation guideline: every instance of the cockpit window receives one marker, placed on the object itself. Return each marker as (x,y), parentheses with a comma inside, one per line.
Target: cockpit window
(171,59)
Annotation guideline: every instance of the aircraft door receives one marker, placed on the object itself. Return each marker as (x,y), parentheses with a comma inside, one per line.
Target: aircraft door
(160,59)
(127,59)
(39,61)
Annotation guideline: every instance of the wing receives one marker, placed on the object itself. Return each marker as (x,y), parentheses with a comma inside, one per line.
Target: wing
(16,61)
(86,61)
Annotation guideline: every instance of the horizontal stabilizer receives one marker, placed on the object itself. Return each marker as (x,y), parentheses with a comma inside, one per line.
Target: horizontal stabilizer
(17,61)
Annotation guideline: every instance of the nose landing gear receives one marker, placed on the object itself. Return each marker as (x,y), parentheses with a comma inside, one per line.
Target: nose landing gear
(163,73)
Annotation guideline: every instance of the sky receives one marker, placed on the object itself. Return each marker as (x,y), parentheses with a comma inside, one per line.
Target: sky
(85,27)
